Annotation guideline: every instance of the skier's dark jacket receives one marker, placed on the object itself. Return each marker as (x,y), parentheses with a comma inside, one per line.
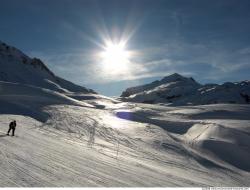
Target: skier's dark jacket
(12,124)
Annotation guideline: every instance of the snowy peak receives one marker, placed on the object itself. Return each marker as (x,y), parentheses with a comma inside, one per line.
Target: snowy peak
(178,90)
(14,54)
(17,67)
(11,51)
(174,79)
(37,63)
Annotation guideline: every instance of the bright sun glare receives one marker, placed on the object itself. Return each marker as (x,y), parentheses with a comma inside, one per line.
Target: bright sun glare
(115,57)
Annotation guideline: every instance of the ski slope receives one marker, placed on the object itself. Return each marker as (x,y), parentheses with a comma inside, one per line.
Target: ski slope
(69,136)
(94,141)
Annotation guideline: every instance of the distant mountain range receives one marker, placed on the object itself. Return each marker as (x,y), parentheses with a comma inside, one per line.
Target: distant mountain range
(179,90)
(16,67)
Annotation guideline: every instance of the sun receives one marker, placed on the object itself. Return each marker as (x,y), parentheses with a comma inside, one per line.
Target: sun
(115,57)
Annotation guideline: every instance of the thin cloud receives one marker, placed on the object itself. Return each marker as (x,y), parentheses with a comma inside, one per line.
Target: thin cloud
(198,60)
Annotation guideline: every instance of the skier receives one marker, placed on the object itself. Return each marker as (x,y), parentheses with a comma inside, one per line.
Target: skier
(12,126)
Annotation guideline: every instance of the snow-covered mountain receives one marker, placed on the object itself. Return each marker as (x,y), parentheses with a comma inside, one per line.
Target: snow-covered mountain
(81,139)
(17,67)
(179,90)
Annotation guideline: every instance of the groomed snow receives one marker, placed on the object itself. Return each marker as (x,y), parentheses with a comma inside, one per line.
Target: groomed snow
(80,143)
(69,136)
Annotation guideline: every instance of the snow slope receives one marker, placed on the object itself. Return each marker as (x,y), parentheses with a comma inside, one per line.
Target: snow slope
(68,136)
(178,90)
(19,68)
(29,100)
(70,143)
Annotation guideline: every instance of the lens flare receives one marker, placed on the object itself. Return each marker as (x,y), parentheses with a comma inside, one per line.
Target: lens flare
(115,57)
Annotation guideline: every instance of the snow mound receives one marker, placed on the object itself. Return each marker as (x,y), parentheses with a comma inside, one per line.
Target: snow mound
(229,144)
(178,90)
(214,135)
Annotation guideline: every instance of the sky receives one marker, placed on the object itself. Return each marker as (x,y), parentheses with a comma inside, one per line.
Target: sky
(208,40)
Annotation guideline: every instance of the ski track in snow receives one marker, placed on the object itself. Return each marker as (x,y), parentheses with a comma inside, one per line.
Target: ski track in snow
(69,136)
(80,146)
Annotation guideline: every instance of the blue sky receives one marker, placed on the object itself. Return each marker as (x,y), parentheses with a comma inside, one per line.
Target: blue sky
(208,40)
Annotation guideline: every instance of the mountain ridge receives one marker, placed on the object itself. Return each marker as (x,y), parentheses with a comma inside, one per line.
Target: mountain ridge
(17,67)
(170,78)
(177,90)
